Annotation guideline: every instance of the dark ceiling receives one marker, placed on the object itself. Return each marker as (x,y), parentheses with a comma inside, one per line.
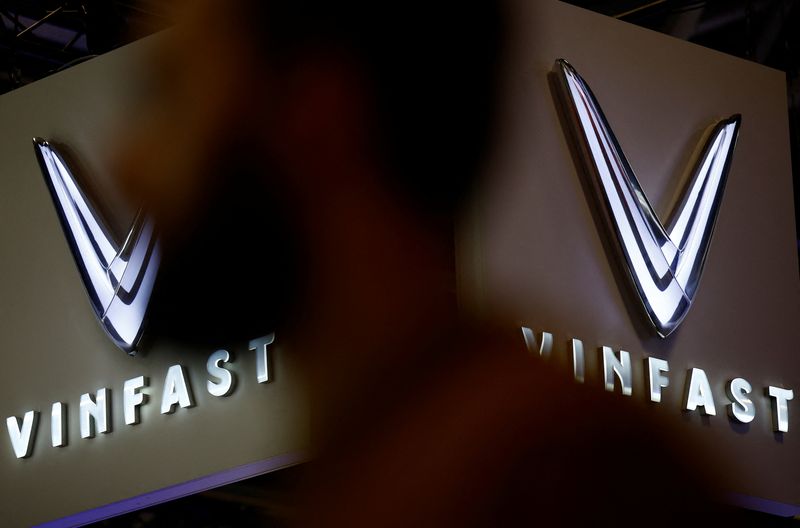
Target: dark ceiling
(39,37)
(764,31)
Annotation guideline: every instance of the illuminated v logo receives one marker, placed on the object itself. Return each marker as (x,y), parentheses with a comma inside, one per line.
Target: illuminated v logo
(664,264)
(118,277)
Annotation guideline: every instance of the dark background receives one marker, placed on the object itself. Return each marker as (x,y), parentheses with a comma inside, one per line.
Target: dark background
(40,37)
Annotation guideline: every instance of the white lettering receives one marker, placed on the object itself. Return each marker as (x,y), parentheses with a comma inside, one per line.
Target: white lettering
(94,414)
(578,360)
(544,346)
(226,379)
(131,399)
(780,407)
(698,393)
(741,407)
(656,369)
(262,359)
(621,367)
(176,390)
(22,437)
(58,425)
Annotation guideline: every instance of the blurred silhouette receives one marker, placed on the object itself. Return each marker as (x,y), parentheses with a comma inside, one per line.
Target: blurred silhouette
(305,162)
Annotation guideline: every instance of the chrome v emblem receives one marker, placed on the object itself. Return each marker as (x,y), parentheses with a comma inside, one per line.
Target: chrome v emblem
(118,277)
(664,264)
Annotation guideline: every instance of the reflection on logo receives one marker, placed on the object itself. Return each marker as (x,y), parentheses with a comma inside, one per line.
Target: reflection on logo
(118,277)
(663,263)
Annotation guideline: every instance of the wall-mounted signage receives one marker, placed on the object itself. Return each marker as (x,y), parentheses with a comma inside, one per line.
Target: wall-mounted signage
(118,275)
(94,408)
(664,263)
(617,369)
(720,359)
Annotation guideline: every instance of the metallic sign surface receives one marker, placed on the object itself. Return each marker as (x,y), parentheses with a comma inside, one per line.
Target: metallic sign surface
(118,277)
(663,263)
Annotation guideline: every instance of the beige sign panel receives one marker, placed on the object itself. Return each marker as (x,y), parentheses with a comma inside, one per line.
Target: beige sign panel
(54,350)
(534,244)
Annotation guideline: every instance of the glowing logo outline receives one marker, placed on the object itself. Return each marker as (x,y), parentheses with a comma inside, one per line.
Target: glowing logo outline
(118,278)
(664,264)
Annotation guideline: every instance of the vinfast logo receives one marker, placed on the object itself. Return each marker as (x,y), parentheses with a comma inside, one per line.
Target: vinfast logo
(664,263)
(118,273)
